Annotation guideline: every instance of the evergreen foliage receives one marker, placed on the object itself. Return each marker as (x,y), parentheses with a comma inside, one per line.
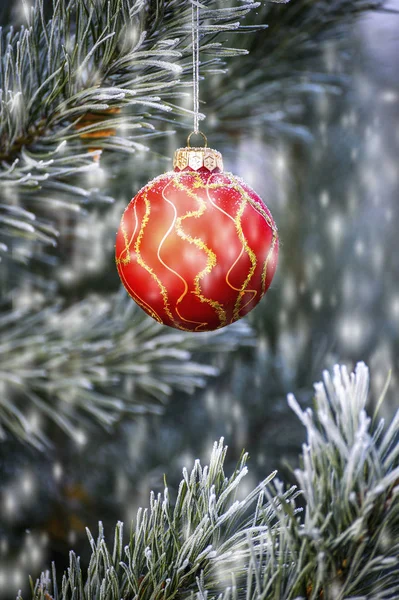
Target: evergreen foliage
(97,361)
(217,541)
(108,76)
(75,358)
(99,73)
(288,68)
(70,77)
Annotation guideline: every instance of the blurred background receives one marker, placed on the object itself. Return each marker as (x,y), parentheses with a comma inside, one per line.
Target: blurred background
(310,119)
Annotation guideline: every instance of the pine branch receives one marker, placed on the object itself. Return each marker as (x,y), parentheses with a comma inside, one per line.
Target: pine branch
(97,361)
(71,84)
(132,91)
(214,546)
(289,59)
(346,545)
(171,548)
(87,80)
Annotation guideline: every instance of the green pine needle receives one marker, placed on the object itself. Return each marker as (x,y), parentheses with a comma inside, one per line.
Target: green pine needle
(214,542)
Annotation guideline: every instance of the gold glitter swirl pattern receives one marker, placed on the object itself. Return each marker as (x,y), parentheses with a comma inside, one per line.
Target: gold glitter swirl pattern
(269,221)
(132,293)
(173,226)
(211,256)
(126,249)
(252,258)
(196,180)
(144,305)
(268,257)
(251,254)
(235,185)
(141,262)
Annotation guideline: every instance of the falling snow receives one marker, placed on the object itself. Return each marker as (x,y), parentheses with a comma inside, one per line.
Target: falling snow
(335,297)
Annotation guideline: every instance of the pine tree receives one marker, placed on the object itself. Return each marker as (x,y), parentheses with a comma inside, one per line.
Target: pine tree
(214,541)
(84,96)
(70,83)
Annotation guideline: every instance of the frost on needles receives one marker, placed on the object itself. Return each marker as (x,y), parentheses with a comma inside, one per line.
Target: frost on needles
(91,67)
(334,537)
(66,81)
(108,76)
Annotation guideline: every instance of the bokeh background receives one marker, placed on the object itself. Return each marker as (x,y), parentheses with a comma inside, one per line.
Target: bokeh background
(316,133)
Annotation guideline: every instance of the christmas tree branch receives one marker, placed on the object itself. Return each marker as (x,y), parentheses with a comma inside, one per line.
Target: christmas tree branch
(69,85)
(171,548)
(346,545)
(60,108)
(289,66)
(97,361)
(216,543)
(97,75)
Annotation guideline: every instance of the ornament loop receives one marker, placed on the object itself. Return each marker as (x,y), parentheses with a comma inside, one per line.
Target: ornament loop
(197,133)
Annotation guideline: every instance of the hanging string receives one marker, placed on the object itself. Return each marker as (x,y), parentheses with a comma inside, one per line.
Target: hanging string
(196,63)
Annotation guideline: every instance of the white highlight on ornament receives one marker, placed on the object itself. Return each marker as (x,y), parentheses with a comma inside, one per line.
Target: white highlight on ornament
(162,242)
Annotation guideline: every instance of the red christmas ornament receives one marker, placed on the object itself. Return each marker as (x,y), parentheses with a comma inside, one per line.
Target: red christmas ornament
(196,248)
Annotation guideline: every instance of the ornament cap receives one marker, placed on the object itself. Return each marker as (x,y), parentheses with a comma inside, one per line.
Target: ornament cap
(195,159)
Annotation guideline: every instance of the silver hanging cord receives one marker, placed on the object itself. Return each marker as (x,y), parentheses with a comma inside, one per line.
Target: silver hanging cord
(196,63)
